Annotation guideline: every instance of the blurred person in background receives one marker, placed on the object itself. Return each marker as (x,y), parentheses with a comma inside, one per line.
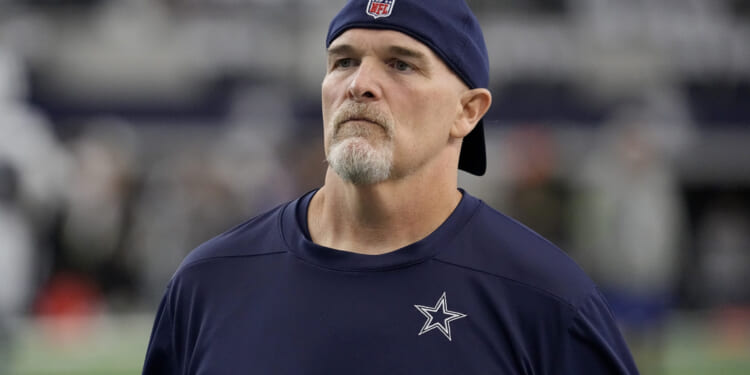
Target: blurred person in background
(389,267)
(32,181)
(628,229)
(97,217)
(27,141)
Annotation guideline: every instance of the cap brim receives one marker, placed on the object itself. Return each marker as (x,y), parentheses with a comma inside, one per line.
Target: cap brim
(473,157)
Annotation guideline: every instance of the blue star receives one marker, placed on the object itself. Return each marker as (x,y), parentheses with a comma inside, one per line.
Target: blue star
(443,325)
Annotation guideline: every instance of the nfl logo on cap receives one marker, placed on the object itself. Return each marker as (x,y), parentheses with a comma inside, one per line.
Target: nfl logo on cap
(380,8)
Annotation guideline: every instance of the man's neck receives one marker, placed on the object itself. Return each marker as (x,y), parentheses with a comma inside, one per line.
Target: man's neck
(379,218)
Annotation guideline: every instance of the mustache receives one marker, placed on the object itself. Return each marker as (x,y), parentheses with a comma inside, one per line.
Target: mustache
(360,111)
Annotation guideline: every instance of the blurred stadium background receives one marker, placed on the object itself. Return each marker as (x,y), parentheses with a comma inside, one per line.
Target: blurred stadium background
(131,131)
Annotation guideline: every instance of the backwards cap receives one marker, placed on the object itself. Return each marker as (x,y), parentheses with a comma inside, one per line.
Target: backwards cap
(449,28)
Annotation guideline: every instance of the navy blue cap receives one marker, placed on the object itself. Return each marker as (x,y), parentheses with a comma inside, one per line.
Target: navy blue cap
(449,28)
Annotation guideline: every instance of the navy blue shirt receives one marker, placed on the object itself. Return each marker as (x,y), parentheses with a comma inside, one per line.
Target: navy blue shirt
(482,294)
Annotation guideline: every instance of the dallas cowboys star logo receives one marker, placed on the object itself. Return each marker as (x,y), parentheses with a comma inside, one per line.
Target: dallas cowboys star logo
(442,324)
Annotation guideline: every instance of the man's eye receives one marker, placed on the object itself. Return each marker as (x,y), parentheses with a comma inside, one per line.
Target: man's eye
(401,66)
(343,63)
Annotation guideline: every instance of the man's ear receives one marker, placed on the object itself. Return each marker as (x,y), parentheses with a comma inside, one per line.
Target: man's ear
(473,105)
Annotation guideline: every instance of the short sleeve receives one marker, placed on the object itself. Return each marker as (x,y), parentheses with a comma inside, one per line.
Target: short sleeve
(160,355)
(594,344)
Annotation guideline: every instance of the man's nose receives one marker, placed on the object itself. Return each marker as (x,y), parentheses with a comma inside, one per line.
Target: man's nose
(365,83)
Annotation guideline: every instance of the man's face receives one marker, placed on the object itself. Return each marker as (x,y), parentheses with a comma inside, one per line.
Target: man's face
(388,105)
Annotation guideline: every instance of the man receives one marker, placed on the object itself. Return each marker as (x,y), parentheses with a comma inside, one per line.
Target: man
(389,268)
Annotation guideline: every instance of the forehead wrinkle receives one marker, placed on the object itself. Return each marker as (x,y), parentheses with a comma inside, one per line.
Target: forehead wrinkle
(390,41)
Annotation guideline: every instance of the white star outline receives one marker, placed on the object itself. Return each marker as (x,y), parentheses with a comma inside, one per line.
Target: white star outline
(445,325)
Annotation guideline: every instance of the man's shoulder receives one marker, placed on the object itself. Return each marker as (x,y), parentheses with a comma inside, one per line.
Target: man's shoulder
(259,235)
(501,247)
